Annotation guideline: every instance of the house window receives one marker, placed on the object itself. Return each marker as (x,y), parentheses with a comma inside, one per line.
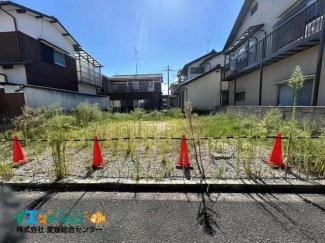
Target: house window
(115,103)
(304,96)
(151,86)
(254,9)
(240,96)
(252,43)
(242,53)
(145,103)
(136,85)
(59,58)
(47,54)
(197,70)
(51,56)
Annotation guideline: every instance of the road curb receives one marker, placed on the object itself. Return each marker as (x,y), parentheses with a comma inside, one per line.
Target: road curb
(230,186)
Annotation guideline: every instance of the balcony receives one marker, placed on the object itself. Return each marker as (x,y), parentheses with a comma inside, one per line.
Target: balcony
(298,33)
(130,88)
(88,69)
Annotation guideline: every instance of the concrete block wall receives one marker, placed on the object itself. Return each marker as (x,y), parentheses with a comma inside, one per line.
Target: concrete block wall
(309,113)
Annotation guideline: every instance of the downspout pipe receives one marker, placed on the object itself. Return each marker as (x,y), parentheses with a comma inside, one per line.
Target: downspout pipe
(261,69)
(16,30)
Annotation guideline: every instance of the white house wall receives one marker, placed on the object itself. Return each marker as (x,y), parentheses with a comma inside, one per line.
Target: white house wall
(7,23)
(36,28)
(204,93)
(38,98)
(11,89)
(266,14)
(87,89)
(17,75)
(195,64)
(217,60)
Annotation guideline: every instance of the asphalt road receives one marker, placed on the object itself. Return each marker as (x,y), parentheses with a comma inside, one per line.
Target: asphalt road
(172,217)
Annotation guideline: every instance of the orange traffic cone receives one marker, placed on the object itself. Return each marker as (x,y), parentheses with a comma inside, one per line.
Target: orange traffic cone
(97,156)
(275,159)
(184,161)
(18,155)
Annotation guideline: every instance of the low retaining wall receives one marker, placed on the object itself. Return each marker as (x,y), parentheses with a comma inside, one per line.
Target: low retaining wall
(310,113)
(36,97)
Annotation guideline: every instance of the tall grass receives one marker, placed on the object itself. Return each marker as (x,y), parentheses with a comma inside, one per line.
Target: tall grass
(6,172)
(58,154)
(84,121)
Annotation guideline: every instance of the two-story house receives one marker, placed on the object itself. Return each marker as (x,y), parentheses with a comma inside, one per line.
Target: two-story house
(268,40)
(128,92)
(200,82)
(41,63)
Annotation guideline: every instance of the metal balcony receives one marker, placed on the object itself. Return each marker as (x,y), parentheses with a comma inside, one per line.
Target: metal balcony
(130,88)
(298,33)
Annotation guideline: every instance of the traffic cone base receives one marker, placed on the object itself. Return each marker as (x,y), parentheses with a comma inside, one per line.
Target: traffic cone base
(179,167)
(95,167)
(267,161)
(184,161)
(275,159)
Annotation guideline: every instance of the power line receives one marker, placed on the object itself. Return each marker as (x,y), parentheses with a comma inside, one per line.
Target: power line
(208,44)
(136,59)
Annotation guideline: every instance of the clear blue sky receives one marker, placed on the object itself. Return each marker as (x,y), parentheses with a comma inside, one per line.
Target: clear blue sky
(165,32)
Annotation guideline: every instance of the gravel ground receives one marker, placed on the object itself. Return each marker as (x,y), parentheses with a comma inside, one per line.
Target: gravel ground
(155,159)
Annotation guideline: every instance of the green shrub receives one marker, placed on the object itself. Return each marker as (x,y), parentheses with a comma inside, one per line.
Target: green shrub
(138,113)
(153,115)
(60,123)
(175,113)
(31,121)
(272,121)
(86,113)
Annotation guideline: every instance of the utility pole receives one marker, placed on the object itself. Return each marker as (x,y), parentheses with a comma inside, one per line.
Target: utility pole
(168,70)
(208,44)
(136,60)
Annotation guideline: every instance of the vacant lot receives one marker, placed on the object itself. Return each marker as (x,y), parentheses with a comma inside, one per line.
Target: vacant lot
(145,148)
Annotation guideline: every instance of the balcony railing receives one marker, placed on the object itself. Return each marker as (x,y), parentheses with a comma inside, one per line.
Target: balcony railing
(130,88)
(305,25)
(88,74)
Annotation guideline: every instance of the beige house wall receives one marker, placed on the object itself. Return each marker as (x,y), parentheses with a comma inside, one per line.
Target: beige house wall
(204,93)
(250,84)
(280,71)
